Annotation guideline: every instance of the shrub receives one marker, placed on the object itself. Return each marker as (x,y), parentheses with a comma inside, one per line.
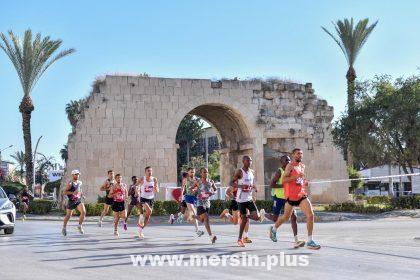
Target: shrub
(406,202)
(217,206)
(158,209)
(40,206)
(356,208)
(171,207)
(12,187)
(267,205)
(379,200)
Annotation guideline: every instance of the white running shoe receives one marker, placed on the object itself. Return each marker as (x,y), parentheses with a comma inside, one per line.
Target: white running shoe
(100,223)
(262,215)
(116,233)
(171,219)
(80,229)
(199,233)
(64,232)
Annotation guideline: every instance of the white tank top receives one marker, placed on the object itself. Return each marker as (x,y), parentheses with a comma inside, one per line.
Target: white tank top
(244,194)
(147,189)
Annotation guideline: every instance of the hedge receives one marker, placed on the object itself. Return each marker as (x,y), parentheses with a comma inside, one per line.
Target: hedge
(406,202)
(356,208)
(379,200)
(40,206)
(50,186)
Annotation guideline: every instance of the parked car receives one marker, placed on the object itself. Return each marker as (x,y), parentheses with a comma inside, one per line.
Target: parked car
(7,213)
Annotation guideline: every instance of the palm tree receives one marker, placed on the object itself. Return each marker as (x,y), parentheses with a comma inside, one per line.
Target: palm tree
(351,39)
(73,110)
(19,157)
(64,153)
(31,58)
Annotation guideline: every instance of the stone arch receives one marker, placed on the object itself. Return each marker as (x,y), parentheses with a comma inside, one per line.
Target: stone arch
(235,133)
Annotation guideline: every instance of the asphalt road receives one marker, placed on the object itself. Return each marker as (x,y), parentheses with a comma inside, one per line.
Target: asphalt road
(376,249)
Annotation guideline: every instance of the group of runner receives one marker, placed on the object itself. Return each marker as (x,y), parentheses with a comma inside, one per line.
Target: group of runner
(289,190)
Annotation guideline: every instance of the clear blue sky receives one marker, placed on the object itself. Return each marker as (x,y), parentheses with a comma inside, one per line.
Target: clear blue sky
(198,39)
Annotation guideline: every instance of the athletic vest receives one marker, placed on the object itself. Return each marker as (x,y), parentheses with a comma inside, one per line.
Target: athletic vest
(147,189)
(75,186)
(110,184)
(188,185)
(202,195)
(294,189)
(279,192)
(119,193)
(244,193)
(132,190)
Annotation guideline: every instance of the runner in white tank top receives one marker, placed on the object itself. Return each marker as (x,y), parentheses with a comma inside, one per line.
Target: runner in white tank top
(243,182)
(245,186)
(148,187)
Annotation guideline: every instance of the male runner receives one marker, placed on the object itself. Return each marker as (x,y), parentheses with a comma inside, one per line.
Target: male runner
(232,213)
(118,194)
(148,187)
(190,198)
(204,189)
(277,192)
(182,207)
(134,202)
(74,193)
(295,184)
(24,196)
(106,186)
(243,182)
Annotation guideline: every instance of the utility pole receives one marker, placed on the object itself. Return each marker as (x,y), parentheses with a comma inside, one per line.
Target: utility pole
(206,144)
(3,150)
(34,158)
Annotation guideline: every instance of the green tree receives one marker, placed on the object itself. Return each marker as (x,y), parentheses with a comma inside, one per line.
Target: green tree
(350,39)
(214,165)
(31,58)
(64,153)
(19,157)
(74,110)
(386,121)
(188,136)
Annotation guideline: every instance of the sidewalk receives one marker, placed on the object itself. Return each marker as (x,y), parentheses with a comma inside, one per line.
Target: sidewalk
(320,217)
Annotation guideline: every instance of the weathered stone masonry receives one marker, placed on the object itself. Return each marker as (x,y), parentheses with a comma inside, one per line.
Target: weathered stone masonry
(131,121)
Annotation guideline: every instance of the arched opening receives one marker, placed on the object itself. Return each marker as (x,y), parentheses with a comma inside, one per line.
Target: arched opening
(226,127)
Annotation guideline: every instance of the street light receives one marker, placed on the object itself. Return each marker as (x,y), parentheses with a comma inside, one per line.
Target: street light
(34,157)
(3,150)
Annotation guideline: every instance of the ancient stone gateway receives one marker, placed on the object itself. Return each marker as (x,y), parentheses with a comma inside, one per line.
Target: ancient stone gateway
(131,121)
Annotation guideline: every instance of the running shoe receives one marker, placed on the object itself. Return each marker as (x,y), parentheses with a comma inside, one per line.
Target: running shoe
(313,245)
(64,232)
(171,219)
(140,230)
(180,219)
(247,240)
(199,233)
(24,217)
(125,226)
(116,233)
(213,239)
(273,234)
(262,215)
(80,229)
(241,243)
(298,244)
(223,214)
(100,223)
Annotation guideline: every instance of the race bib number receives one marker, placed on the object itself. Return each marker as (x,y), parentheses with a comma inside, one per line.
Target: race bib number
(204,195)
(119,196)
(148,189)
(299,181)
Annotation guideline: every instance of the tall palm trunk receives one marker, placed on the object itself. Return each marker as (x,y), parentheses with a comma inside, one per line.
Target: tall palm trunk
(351,77)
(26,107)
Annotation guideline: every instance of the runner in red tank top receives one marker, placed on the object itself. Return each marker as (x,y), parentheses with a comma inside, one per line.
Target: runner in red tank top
(295,186)
(118,193)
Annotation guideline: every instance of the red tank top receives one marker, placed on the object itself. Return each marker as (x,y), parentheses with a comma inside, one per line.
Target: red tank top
(294,190)
(119,194)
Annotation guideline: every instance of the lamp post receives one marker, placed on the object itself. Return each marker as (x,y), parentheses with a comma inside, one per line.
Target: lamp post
(34,157)
(3,150)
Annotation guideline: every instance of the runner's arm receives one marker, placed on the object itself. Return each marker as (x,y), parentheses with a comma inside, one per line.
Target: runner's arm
(111,192)
(275,179)
(287,174)
(236,177)
(104,186)
(66,190)
(156,188)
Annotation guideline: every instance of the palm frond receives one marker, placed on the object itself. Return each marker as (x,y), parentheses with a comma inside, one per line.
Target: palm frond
(351,38)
